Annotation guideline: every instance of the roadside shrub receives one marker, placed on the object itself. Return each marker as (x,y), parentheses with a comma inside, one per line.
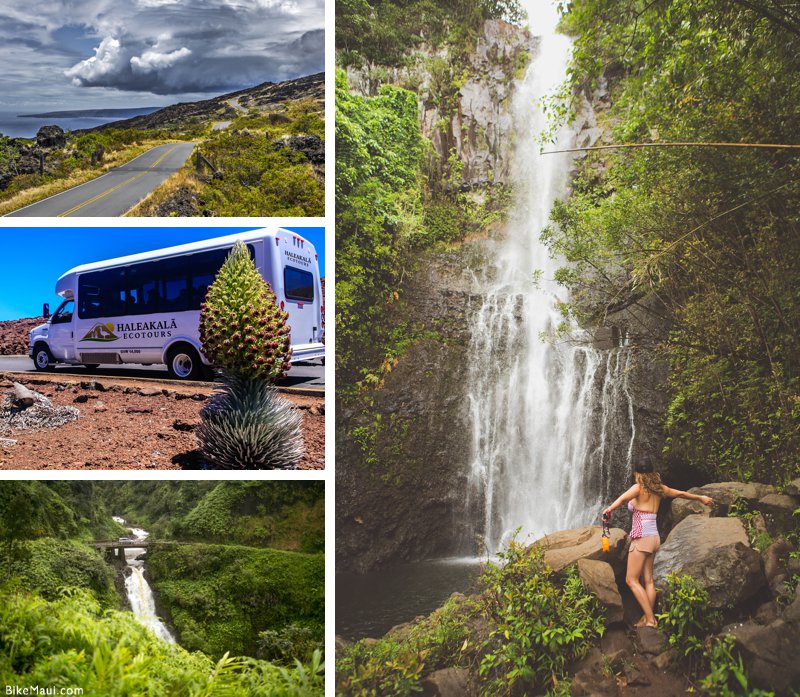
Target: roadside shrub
(540,626)
(248,425)
(242,329)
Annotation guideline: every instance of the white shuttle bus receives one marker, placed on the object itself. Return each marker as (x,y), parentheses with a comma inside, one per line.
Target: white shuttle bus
(145,308)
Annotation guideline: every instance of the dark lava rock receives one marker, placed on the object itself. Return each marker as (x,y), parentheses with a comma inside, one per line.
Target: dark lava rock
(313,147)
(51,137)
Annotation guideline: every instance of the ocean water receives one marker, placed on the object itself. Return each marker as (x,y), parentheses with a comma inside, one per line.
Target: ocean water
(14,126)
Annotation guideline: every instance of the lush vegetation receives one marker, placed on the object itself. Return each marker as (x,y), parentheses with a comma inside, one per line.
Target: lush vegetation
(71,641)
(256,177)
(220,597)
(704,237)
(689,625)
(48,565)
(522,631)
(33,509)
(281,515)
(388,31)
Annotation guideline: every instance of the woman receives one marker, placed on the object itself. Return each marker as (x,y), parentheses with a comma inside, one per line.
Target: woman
(643,499)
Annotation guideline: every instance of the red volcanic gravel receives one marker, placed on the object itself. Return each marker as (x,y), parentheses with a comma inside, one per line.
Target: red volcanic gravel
(133,425)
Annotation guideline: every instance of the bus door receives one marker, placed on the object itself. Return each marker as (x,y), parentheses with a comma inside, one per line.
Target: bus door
(61,333)
(298,286)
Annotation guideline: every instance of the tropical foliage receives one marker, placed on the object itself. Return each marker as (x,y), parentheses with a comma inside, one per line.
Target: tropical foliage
(221,597)
(71,641)
(704,239)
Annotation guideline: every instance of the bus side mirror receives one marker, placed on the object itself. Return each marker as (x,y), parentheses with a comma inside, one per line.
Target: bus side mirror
(46,310)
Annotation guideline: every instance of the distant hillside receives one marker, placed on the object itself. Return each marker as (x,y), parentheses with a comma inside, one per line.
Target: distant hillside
(14,335)
(264,97)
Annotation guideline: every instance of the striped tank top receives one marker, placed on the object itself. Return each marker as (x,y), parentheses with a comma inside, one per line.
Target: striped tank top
(644,523)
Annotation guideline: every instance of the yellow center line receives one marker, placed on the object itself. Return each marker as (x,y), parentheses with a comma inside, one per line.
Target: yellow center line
(118,186)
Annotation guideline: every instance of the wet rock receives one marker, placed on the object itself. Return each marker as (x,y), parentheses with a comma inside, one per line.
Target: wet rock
(792,488)
(51,137)
(650,641)
(770,653)
(598,577)
(568,546)
(775,558)
(665,659)
(717,554)
(766,613)
(615,640)
(449,682)
(724,495)
(593,684)
(778,510)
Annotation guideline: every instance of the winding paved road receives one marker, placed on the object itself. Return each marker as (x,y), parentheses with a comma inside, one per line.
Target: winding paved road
(116,191)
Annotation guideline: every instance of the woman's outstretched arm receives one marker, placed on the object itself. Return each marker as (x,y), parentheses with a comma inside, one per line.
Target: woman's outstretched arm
(631,493)
(678,494)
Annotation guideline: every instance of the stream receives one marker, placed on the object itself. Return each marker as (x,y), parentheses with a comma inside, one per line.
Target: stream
(140,595)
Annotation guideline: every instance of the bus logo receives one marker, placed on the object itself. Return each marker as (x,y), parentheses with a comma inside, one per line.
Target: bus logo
(101,332)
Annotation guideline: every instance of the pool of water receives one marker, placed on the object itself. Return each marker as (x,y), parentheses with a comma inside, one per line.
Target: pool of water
(369,605)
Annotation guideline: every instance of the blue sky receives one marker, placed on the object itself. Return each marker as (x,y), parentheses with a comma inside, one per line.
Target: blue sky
(32,259)
(81,54)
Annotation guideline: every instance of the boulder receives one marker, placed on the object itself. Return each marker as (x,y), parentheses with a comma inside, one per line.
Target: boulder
(778,510)
(724,494)
(598,577)
(565,547)
(775,558)
(449,682)
(770,654)
(792,488)
(717,554)
(51,137)
(650,641)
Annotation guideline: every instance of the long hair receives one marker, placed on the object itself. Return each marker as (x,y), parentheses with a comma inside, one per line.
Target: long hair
(651,482)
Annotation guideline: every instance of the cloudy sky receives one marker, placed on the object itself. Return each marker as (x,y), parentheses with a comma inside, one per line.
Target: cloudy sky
(80,54)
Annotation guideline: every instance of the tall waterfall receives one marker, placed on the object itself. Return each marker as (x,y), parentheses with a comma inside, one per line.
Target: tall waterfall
(552,416)
(138,590)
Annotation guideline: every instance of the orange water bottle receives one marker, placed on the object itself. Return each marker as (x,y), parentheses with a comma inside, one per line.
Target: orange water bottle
(606,532)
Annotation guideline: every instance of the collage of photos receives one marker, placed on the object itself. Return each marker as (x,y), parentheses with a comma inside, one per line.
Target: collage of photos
(396,348)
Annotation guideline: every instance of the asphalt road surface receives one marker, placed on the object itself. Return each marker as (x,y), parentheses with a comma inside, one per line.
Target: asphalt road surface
(116,191)
(310,375)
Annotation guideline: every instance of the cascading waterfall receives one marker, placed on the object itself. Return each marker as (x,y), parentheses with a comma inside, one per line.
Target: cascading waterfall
(552,416)
(138,590)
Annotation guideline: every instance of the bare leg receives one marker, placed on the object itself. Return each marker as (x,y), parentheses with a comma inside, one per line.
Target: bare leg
(649,584)
(636,563)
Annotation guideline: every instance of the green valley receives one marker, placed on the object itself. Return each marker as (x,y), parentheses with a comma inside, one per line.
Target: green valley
(236,571)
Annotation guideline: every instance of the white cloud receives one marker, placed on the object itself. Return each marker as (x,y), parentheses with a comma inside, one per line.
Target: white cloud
(105,61)
(151,61)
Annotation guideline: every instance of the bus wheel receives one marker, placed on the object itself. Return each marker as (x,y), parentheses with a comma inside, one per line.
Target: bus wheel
(42,358)
(184,363)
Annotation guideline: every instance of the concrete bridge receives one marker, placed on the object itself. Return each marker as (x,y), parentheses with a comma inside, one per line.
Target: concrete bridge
(140,544)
